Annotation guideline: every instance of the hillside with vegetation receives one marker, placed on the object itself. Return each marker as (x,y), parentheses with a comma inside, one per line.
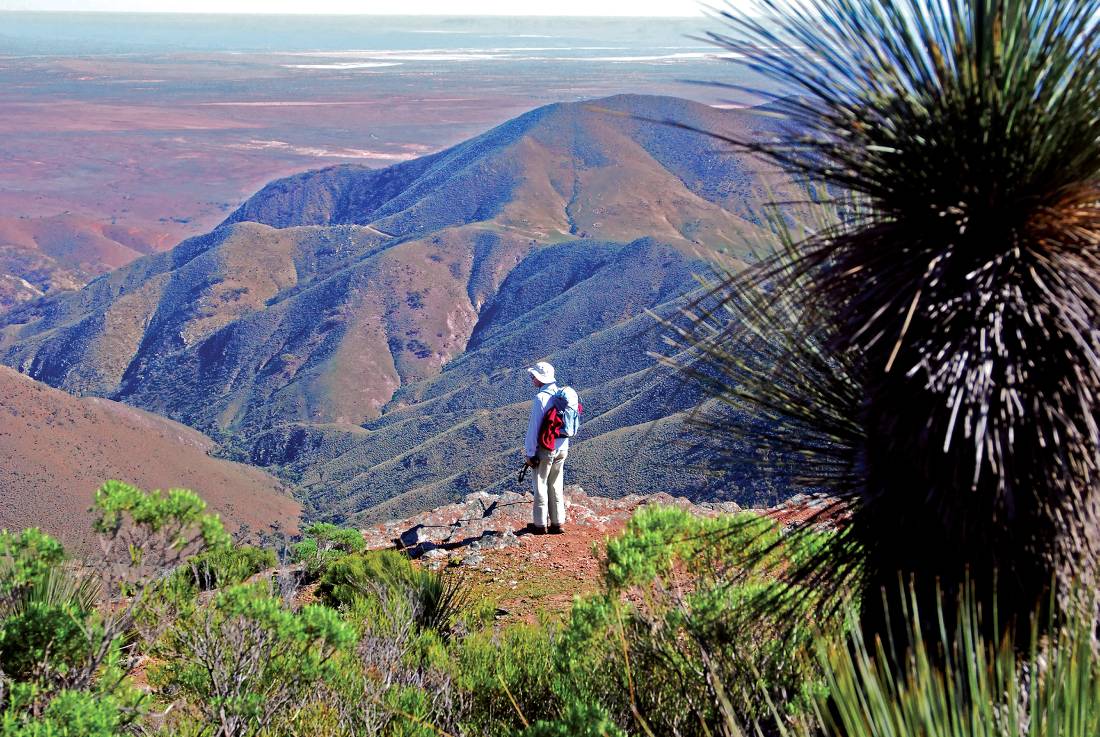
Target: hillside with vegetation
(45,255)
(56,446)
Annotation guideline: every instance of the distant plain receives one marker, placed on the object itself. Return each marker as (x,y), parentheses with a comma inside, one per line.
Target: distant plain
(163,124)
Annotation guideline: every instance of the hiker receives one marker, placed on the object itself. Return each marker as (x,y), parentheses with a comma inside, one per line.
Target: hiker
(549,463)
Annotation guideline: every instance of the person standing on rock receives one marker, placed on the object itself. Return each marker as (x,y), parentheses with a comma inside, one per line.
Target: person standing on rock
(548,514)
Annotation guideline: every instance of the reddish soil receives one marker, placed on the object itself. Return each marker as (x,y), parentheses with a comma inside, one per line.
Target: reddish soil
(545,572)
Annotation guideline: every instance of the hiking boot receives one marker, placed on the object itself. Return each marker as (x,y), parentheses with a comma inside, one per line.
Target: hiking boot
(556,529)
(534,529)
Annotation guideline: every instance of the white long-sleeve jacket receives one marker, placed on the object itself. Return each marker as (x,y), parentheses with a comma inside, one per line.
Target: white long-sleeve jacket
(539,407)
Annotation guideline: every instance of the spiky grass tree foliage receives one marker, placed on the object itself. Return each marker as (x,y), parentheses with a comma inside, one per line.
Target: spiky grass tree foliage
(745,341)
(782,405)
(955,682)
(965,296)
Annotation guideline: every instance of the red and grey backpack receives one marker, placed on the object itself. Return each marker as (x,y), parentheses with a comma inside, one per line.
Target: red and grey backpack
(562,419)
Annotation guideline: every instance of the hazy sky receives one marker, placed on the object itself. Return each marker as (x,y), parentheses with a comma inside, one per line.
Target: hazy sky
(395,7)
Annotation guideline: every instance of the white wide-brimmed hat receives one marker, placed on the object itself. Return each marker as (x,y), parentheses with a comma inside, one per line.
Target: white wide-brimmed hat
(543,372)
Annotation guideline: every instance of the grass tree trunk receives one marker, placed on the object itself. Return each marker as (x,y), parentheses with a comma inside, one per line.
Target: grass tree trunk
(924,520)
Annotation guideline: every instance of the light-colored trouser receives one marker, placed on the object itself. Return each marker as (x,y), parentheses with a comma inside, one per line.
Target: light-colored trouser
(548,481)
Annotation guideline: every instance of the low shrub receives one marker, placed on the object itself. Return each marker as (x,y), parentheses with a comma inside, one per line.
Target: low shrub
(579,720)
(45,609)
(245,661)
(395,681)
(674,643)
(511,679)
(323,543)
(69,631)
(355,581)
(657,537)
(25,558)
(43,636)
(679,641)
(71,713)
(215,569)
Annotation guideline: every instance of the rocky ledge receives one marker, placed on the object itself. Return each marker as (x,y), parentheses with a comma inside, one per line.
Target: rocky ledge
(466,531)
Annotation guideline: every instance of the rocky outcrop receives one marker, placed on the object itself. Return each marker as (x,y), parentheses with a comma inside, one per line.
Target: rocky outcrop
(482,522)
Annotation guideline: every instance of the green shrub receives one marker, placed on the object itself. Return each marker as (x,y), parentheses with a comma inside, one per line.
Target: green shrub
(367,574)
(412,709)
(324,543)
(396,681)
(175,596)
(215,569)
(61,668)
(44,637)
(26,557)
(360,581)
(672,645)
(69,633)
(658,536)
(44,610)
(758,658)
(69,714)
(692,648)
(179,515)
(508,677)
(579,720)
(246,661)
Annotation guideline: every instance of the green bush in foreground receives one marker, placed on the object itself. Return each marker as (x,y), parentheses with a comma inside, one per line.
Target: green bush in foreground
(512,678)
(702,583)
(45,609)
(70,631)
(69,714)
(246,661)
(579,720)
(673,643)
(670,646)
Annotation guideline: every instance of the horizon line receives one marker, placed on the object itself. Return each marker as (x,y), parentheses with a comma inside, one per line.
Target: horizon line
(329,14)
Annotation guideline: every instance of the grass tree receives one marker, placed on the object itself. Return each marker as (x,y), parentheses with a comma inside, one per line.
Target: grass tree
(961,300)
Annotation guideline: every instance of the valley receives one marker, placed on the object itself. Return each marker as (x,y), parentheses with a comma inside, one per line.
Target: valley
(362,332)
